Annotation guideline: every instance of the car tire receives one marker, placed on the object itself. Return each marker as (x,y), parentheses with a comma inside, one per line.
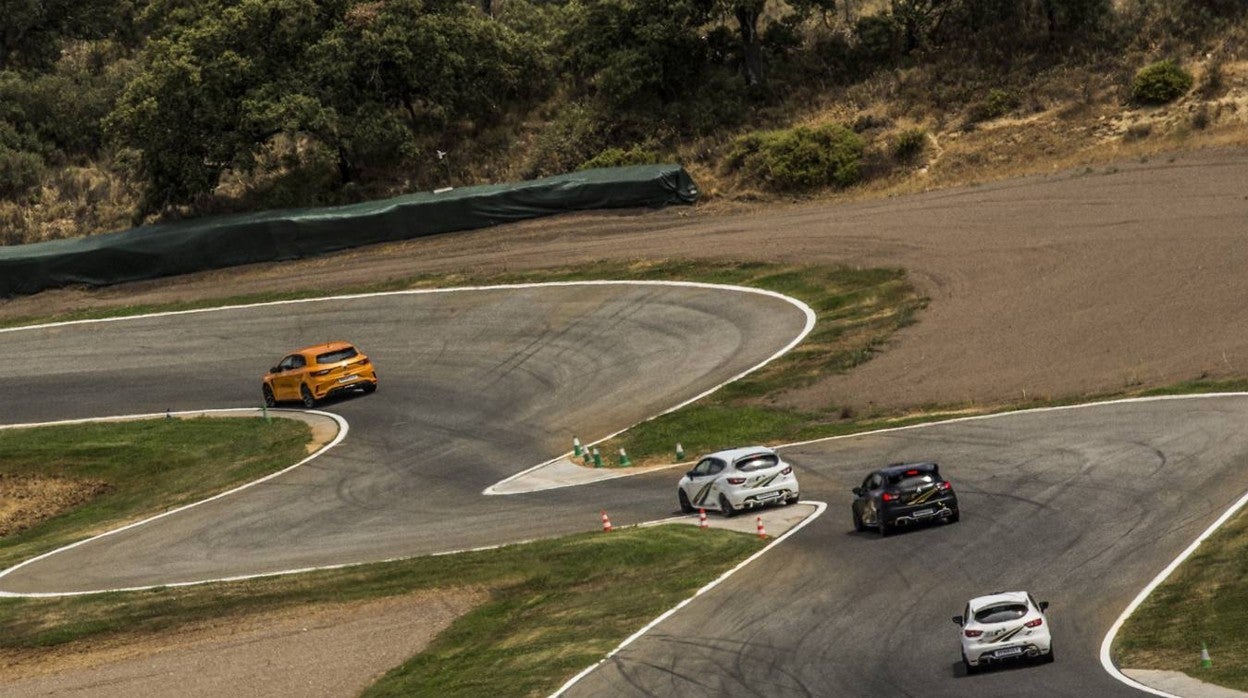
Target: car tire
(725,507)
(970,670)
(792,500)
(370,388)
(858,525)
(685,506)
(1048,658)
(309,400)
(269,399)
(957,514)
(885,528)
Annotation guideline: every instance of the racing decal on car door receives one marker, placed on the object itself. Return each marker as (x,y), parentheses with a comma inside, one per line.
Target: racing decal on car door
(700,498)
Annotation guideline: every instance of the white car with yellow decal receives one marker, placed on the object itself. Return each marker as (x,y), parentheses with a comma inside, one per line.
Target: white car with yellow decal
(1004,626)
(736,479)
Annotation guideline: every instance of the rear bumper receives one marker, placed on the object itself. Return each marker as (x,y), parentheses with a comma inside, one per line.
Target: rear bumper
(1000,655)
(751,499)
(936,510)
(322,390)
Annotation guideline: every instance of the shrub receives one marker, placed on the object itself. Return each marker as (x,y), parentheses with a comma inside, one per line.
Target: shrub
(619,157)
(996,104)
(798,158)
(1160,82)
(909,144)
(19,170)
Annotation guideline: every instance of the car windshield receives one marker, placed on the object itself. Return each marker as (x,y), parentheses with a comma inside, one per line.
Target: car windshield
(1001,613)
(759,461)
(334,357)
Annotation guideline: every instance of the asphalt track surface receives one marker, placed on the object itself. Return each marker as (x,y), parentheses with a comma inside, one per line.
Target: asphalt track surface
(474,386)
(1080,506)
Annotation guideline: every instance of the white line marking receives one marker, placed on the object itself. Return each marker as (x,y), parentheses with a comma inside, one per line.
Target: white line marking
(820,507)
(810,325)
(343,428)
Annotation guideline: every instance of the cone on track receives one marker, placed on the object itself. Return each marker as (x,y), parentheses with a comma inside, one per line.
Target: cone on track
(762,532)
(597,458)
(702,519)
(576,446)
(586,457)
(624,461)
(680,451)
(1206,662)
(606,522)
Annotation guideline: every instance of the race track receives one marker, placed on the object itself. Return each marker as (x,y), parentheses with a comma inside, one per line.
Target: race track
(1080,506)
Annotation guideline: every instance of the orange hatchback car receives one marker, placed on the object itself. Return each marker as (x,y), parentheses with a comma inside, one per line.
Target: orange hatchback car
(316,372)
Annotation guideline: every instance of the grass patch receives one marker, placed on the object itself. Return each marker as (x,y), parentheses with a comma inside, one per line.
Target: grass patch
(555,606)
(139,469)
(1204,600)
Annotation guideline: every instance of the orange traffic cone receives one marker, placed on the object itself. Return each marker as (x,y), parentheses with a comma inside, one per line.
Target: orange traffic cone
(762,532)
(702,519)
(606,522)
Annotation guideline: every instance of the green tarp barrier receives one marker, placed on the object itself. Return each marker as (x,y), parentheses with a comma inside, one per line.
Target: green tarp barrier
(211,243)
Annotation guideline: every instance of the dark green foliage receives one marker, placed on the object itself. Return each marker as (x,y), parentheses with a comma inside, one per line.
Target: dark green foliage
(879,39)
(909,144)
(620,157)
(798,158)
(994,105)
(1160,83)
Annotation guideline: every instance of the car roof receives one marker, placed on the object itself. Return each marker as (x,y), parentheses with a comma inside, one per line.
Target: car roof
(322,348)
(732,455)
(997,598)
(902,467)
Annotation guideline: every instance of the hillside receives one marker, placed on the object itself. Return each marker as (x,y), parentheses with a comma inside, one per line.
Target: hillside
(112,114)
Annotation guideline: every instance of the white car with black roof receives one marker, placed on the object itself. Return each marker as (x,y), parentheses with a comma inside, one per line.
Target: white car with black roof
(737,479)
(1004,626)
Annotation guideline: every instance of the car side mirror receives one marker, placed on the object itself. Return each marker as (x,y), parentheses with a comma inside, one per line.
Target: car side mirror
(691,473)
(857,491)
(275,369)
(1044,605)
(959,620)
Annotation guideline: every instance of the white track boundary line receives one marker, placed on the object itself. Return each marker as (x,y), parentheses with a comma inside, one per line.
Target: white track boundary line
(820,508)
(343,428)
(810,325)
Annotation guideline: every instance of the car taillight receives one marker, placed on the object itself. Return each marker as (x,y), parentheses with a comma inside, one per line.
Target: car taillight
(945,485)
(736,481)
(787,471)
(1034,623)
(973,633)
(888,497)
(322,373)
(363,362)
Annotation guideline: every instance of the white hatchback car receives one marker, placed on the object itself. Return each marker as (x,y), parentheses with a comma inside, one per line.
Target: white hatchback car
(736,479)
(1004,626)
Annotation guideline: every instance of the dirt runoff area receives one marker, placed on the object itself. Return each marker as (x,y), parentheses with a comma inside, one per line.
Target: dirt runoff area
(317,651)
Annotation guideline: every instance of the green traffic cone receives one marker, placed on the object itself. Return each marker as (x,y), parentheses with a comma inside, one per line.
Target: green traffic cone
(1206,662)
(624,461)
(597,458)
(680,451)
(576,446)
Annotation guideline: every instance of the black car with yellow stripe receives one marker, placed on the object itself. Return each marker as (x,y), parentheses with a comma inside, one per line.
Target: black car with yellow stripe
(904,494)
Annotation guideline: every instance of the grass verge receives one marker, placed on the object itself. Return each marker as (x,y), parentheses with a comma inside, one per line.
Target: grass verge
(555,606)
(135,469)
(1204,601)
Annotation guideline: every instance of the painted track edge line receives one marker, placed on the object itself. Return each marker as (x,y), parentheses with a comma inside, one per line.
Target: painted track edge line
(1107,661)
(343,428)
(810,325)
(820,508)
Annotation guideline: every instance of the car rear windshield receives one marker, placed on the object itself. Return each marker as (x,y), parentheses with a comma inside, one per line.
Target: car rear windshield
(760,461)
(1001,613)
(333,357)
(913,481)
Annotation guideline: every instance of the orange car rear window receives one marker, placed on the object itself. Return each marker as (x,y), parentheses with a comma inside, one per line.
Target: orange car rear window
(333,357)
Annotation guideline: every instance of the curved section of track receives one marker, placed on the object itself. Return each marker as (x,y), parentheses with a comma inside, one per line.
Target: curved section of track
(476,385)
(1081,506)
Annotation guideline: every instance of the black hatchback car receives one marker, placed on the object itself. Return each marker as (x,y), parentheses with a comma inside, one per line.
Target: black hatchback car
(901,495)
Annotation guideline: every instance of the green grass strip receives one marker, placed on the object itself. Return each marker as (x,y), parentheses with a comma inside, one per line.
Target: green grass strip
(1205,601)
(140,468)
(554,606)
